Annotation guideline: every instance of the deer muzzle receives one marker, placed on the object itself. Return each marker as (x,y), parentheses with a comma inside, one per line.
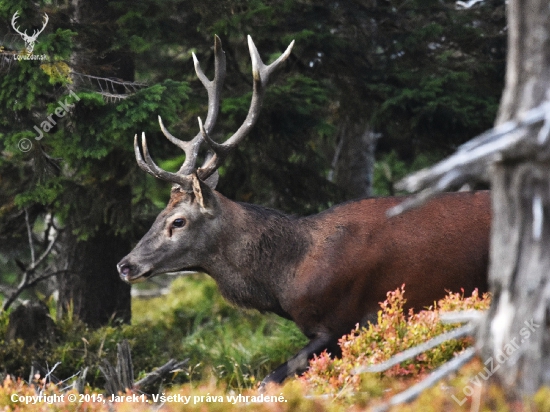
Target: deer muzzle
(131,274)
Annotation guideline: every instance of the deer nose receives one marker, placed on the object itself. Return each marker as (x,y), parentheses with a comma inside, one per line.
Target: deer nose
(124,269)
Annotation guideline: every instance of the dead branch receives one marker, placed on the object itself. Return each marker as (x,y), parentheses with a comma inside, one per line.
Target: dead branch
(29,234)
(112,381)
(26,283)
(473,160)
(106,86)
(22,286)
(151,378)
(121,378)
(124,367)
(462,316)
(473,318)
(112,98)
(79,382)
(46,373)
(443,371)
(28,278)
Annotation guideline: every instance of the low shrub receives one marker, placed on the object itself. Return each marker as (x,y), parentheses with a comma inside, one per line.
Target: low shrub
(230,350)
(394,332)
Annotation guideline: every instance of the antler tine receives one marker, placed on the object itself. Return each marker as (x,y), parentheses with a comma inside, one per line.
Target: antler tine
(216,147)
(147,164)
(213,88)
(141,163)
(260,73)
(190,148)
(259,69)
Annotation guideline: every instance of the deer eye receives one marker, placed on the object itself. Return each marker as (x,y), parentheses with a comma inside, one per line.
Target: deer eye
(178,223)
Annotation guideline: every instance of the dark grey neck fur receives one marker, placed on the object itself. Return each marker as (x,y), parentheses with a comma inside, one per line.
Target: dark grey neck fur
(260,257)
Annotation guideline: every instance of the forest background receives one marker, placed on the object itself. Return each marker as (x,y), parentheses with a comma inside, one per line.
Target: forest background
(371,91)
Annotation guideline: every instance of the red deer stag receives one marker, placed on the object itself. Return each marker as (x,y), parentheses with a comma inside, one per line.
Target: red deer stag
(325,272)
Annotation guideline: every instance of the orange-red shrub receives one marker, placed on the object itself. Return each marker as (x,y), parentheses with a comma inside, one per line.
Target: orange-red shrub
(394,332)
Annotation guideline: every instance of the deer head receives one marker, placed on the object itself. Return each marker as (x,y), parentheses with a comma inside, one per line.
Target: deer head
(187,229)
(29,40)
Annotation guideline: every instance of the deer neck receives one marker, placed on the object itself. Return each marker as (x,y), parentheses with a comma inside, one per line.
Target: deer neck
(258,255)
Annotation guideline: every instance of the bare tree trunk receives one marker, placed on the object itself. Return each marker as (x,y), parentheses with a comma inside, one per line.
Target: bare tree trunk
(514,336)
(516,333)
(353,162)
(91,285)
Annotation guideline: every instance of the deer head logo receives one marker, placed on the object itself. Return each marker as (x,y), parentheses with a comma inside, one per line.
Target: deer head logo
(29,40)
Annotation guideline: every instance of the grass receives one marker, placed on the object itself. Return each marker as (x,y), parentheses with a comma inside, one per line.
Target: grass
(238,347)
(193,321)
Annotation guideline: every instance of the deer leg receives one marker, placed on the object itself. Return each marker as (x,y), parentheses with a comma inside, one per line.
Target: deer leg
(298,364)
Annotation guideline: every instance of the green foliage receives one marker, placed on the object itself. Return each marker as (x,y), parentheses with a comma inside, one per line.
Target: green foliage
(421,73)
(57,46)
(289,140)
(18,91)
(389,169)
(59,72)
(193,321)
(238,347)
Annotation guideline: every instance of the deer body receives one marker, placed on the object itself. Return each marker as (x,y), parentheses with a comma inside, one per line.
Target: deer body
(329,271)
(325,272)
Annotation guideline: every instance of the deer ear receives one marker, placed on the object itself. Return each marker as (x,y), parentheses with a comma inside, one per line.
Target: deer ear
(203,194)
(212,181)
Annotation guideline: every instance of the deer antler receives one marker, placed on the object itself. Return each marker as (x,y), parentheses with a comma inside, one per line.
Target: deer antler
(213,88)
(261,74)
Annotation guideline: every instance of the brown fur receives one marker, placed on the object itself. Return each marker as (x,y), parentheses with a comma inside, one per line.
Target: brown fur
(359,255)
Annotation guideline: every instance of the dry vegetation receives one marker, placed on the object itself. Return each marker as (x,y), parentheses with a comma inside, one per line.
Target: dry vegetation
(230,351)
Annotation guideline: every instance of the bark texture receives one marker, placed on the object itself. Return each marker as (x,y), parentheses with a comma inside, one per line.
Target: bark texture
(353,162)
(516,332)
(91,287)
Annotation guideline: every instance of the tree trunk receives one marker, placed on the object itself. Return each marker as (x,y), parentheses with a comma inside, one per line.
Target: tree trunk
(516,333)
(353,163)
(91,285)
